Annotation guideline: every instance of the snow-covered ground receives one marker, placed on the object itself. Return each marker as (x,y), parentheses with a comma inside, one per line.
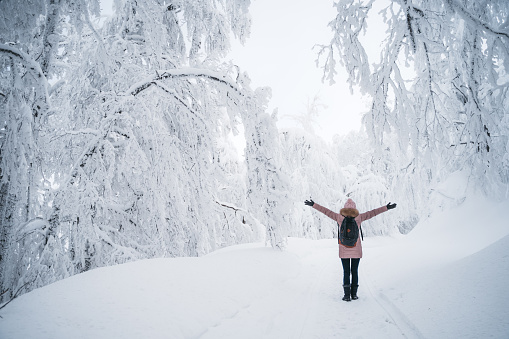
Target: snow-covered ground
(448,278)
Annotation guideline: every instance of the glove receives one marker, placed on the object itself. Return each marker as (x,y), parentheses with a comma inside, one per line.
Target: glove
(391,206)
(309,202)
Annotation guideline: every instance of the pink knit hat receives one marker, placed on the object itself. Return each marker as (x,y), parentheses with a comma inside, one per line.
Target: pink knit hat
(350,204)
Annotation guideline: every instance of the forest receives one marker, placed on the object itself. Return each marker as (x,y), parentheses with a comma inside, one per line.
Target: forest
(116,136)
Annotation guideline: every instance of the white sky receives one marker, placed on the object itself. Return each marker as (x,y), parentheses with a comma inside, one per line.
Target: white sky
(280,54)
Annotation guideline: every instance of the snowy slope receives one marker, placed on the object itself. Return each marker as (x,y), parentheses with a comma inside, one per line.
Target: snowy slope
(454,285)
(409,288)
(466,299)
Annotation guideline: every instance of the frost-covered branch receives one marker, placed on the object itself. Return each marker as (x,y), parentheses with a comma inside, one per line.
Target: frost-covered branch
(37,225)
(174,95)
(86,131)
(137,88)
(25,59)
(473,20)
(347,26)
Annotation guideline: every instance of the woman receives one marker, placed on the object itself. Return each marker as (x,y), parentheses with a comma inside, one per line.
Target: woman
(350,255)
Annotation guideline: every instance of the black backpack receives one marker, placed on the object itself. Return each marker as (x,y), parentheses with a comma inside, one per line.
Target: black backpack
(348,232)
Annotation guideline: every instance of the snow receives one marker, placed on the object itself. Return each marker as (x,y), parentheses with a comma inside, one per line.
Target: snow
(416,286)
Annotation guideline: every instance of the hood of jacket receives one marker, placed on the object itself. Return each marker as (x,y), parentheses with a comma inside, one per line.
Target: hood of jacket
(349,212)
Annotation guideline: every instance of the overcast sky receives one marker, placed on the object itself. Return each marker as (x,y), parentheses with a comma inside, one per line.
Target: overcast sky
(280,54)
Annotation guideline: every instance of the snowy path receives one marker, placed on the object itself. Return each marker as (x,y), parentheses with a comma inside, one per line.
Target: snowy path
(311,305)
(330,317)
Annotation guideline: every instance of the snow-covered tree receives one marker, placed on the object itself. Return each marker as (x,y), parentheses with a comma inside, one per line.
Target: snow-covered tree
(146,159)
(440,84)
(268,184)
(135,138)
(31,42)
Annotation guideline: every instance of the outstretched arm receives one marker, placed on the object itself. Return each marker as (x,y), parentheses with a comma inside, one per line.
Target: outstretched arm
(324,210)
(370,214)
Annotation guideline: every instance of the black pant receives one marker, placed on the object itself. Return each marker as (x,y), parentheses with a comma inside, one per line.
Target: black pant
(352,268)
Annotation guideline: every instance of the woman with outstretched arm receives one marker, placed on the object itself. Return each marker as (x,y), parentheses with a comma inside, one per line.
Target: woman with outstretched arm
(350,250)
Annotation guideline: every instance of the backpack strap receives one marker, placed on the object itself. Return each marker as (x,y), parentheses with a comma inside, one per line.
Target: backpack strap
(339,230)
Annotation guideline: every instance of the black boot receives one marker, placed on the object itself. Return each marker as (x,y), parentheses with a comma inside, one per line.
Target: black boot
(346,288)
(353,292)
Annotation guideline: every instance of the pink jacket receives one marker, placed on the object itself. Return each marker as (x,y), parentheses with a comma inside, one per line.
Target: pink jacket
(355,251)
